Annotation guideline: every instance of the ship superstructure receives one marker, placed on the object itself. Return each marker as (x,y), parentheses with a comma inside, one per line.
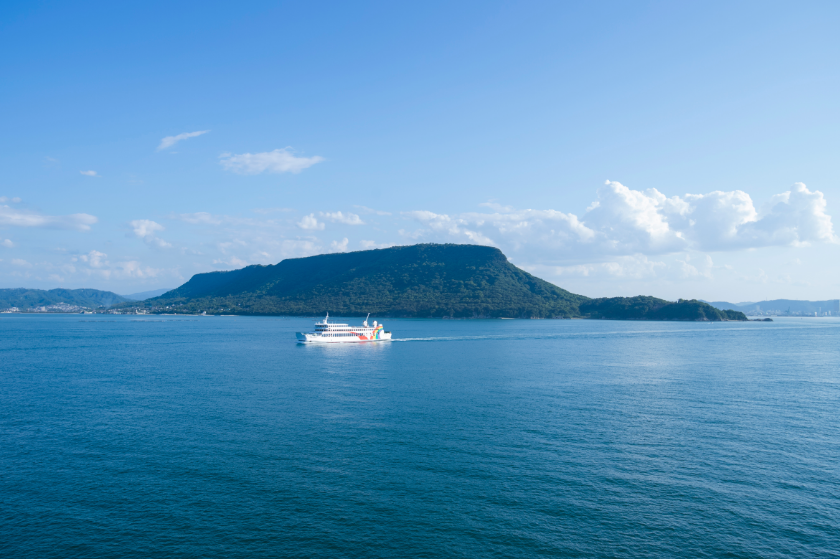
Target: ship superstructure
(336,332)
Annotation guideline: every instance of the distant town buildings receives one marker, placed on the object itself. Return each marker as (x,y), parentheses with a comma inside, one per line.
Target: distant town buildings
(759,312)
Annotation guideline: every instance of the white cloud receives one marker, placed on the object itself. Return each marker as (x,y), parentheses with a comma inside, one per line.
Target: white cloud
(714,221)
(497,207)
(794,217)
(133,269)
(637,266)
(22,218)
(98,265)
(339,246)
(369,245)
(89,173)
(629,221)
(702,269)
(446,225)
(95,259)
(232,262)
(200,218)
(366,210)
(7,243)
(347,219)
(294,248)
(205,218)
(236,244)
(145,229)
(170,141)
(277,161)
(3,200)
(21,262)
(310,223)
(257,240)
(625,222)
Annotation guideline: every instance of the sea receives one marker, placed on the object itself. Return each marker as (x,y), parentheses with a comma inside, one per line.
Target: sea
(165,436)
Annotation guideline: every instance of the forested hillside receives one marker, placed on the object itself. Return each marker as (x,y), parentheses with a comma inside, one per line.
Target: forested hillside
(651,308)
(429,280)
(409,281)
(26,298)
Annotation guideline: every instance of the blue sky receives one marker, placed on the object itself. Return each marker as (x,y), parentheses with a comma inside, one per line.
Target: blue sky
(542,128)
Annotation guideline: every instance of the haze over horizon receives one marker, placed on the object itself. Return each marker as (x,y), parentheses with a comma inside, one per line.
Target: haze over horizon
(667,150)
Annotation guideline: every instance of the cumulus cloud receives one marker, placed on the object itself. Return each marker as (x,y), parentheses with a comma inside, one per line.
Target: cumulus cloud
(22,218)
(3,200)
(310,223)
(444,224)
(21,263)
(339,246)
(277,161)
(145,229)
(97,264)
(625,222)
(347,219)
(7,243)
(794,217)
(710,222)
(89,173)
(95,259)
(170,141)
(133,269)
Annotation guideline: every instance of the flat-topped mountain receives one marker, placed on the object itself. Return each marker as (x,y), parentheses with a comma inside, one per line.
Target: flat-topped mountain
(428,280)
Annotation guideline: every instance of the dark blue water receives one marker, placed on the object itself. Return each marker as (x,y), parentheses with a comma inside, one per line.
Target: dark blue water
(222,437)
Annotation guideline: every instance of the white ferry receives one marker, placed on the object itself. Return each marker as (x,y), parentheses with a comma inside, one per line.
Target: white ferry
(327,332)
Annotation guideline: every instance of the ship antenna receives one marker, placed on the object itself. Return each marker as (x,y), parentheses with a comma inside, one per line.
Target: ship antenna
(327,319)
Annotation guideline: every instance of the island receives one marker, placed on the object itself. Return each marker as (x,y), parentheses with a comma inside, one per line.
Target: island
(651,308)
(57,300)
(424,280)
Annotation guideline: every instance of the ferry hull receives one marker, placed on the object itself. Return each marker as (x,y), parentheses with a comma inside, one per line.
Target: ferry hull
(306,338)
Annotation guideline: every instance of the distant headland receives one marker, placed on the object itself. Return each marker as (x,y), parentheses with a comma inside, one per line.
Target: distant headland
(425,280)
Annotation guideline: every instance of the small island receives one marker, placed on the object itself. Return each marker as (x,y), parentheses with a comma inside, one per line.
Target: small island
(651,308)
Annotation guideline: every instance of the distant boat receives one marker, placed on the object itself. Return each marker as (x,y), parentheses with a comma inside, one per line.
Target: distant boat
(327,332)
